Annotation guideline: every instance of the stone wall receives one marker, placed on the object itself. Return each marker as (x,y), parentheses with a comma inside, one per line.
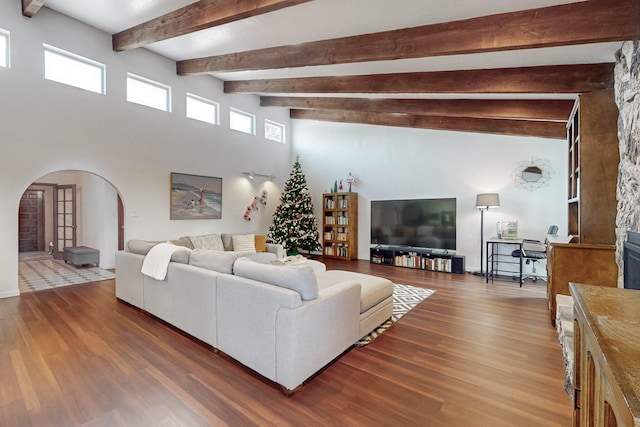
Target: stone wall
(627,92)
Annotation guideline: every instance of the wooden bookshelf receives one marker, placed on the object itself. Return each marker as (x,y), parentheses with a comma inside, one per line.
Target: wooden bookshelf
(592,136)
(340,225)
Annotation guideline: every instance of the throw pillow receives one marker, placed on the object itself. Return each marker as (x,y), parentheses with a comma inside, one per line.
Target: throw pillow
(226,241)
(208,241)
(244,243)
(261,243)
(301,279)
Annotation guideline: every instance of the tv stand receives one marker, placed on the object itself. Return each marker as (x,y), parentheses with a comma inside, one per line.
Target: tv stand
(418,258)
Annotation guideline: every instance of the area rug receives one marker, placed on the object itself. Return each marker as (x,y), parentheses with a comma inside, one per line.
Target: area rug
(405,297)
(36,273)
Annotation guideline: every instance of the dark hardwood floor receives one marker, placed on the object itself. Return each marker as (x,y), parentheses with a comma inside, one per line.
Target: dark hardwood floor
(472,354)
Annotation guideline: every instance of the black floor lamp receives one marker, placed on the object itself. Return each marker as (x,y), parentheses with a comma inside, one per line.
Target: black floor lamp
(485,201)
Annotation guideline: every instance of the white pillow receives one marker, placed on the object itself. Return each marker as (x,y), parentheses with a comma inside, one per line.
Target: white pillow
(207,241)
(244,242)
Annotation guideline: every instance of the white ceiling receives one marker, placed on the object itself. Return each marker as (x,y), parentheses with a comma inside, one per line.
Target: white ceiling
(326,19)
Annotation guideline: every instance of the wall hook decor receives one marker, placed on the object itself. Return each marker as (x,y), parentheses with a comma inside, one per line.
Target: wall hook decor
(253,205)
(533,174)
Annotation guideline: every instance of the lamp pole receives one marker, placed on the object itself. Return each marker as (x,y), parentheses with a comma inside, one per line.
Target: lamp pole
(484,201)
(481,272)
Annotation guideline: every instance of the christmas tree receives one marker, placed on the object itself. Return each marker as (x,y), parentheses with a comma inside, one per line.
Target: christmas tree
(294,225)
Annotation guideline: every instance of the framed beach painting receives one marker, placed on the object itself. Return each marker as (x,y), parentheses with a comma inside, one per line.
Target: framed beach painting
(195,196)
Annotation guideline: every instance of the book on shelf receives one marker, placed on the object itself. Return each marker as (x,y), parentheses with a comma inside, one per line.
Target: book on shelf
(329,203)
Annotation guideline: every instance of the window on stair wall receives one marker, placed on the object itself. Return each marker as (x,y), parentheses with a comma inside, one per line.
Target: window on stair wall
(143,91)
(274,131)
(242,121)
(203,109)
(4,48)
(74,70)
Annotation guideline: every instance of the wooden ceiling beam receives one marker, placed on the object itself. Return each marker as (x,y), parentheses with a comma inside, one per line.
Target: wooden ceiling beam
(546,79)
(532,109)
(569,24)
(31,7)
(541,129)
(195,17)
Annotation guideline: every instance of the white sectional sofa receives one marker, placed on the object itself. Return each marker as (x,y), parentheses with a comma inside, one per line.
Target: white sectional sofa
(284,322)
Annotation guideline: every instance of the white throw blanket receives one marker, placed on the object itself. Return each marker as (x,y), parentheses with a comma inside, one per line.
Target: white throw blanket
(156,262)
(290,260)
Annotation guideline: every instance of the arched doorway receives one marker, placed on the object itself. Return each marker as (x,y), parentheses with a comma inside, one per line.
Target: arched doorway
(63,209)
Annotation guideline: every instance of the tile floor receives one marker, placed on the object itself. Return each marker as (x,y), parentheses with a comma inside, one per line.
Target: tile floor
(38,270)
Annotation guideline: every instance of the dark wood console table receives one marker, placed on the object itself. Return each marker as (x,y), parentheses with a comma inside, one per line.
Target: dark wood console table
(607,356)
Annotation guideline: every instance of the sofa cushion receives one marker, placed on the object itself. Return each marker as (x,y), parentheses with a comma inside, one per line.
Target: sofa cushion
(181,256)
(244,243)
(142,247)
(207,241)
(263,257)
(220,261)
(261,243)
(227,243)
(373,289)
(300,279)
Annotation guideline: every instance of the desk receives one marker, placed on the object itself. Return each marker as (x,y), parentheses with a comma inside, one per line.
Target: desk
(495,258)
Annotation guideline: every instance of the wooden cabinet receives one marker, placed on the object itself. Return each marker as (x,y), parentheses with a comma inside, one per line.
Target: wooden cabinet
(340,225)
(582,263)
(592,135)
(607,345)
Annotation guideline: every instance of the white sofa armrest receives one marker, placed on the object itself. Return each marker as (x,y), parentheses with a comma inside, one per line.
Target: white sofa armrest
(129,279)
(277,249)
(246,311)
(258,324)
(311,336)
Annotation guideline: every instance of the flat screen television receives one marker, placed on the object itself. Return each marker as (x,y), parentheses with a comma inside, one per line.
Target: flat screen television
(418,223)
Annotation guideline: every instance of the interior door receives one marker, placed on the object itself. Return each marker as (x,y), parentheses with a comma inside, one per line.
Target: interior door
(64,218)
(120,224)
(31,221)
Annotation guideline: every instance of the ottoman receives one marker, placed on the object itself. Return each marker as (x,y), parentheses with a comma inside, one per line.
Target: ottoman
(376,296)
(81,255)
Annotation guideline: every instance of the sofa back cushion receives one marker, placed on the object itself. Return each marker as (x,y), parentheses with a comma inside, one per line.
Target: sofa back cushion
(220,261)
(261,243)
(206,241)
(301,278)
(227,243)
(142,247)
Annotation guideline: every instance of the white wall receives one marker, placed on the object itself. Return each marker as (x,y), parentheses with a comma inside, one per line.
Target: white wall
(48,127)
(400,163)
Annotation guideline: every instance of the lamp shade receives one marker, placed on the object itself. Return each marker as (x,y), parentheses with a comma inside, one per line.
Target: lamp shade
(487,200)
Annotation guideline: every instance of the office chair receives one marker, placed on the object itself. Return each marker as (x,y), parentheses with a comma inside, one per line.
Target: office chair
(534,251)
